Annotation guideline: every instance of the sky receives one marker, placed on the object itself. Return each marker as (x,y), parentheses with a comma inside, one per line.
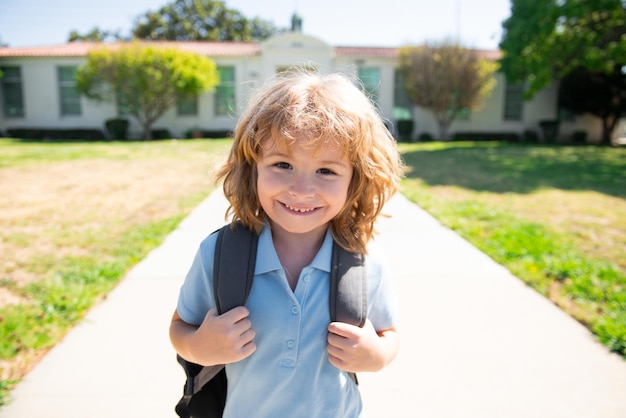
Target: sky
(475,23)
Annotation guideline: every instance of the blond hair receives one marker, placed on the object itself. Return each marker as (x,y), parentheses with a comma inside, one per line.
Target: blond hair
(327,110)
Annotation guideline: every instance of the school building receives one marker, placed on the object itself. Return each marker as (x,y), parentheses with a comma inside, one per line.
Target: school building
(37,89)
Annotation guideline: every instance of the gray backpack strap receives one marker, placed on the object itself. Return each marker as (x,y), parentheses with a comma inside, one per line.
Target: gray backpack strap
(233,267)
(348,287)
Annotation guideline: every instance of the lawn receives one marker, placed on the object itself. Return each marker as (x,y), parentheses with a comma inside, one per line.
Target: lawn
(555,216)
(76,216)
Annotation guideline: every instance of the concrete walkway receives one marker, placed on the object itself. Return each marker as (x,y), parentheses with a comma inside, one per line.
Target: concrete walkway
(476,342)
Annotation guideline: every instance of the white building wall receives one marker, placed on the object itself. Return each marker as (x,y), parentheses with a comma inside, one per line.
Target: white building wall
(294,49)
(490,117)
(42,101)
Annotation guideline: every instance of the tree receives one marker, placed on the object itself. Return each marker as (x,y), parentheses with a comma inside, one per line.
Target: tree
(195,20)
(95,35)
(147,80)
(446,79)
(545,40)
(599,93)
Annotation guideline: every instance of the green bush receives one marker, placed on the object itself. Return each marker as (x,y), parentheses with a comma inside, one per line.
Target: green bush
(117,128)
(425,137)
(405,129)
(550,129)
(54,134)
(486,136)
(161,134)
(579,137)
(530,135)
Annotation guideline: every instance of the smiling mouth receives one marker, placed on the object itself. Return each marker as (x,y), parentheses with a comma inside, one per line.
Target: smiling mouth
(298,210)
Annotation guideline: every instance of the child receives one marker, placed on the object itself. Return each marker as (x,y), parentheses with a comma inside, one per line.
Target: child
(311,162)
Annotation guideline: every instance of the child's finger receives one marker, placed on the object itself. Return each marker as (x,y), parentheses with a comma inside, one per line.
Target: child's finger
(236,314)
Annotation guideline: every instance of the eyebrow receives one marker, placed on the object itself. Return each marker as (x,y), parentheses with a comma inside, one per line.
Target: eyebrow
(340,163)
(274,153)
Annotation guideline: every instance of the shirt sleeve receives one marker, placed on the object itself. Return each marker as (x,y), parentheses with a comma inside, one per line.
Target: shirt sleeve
(382,298)
(196,294)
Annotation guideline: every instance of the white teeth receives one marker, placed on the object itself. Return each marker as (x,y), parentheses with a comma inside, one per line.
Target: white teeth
(298,210)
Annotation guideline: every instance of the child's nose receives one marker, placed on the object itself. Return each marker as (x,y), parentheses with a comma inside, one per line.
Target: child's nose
(301,186)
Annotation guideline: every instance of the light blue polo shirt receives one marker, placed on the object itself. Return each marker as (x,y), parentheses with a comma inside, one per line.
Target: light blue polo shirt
(289,374)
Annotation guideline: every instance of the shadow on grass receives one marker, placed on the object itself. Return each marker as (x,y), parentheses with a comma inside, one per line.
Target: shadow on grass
(501,167)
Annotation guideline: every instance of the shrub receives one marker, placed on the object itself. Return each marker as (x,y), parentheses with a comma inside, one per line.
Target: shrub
(486,136)
(550,130)
(52,134)
(530,135)
(161,134)
(579,137)
(425,137)
(405,128)
(117,128)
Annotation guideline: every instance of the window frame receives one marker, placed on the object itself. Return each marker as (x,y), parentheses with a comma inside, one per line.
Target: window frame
(225,98)
(370,83)
(69,96)
(402,105)
(12,83)
(513,106)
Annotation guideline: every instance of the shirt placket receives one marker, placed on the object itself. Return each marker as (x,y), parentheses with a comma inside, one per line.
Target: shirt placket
(294,323)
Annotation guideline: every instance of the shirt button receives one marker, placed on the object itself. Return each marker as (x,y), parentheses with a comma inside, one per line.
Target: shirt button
(291,344)
(307,278)
(295,310)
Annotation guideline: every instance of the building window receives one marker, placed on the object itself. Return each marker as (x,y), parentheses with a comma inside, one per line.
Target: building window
(225,92)
(370,80)
(513,101)
(401,102)
(12,97)
(187,105)
(69,95)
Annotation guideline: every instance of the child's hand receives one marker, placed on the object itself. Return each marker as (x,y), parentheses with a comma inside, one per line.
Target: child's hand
(355,349)
(225,338)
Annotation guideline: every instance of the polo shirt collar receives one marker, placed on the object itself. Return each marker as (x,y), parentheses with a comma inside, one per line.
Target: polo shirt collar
(267,259)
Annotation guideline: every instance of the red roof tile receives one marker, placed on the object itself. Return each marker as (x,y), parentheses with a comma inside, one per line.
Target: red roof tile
(366,52)
(211,49)
(80,49)
(492,55)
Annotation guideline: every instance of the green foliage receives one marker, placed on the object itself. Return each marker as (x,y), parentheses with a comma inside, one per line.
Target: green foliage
(602,94)
(67,284)
(148,79)
(95,35)
(200,20)
(117,128)
(4,388)
(57,134)
(446,79)
(547,39)
(550,261)
(64,297)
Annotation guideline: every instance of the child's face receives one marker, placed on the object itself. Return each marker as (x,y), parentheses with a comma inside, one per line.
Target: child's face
(302,191)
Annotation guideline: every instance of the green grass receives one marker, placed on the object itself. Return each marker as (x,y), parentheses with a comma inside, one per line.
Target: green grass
(505,199)
(20,153)
(79,260)
(76,283)
(554,216)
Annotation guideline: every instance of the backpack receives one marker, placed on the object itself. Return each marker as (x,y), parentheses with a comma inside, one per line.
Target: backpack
(204,394)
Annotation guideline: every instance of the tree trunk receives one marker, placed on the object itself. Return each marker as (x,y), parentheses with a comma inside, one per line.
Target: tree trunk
(608,126)
(443,130)
(147,131)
